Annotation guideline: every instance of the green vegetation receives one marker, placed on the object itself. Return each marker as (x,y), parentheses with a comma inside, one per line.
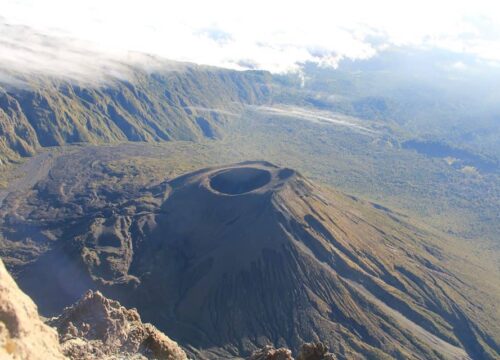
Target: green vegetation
(195,103)
(419,90)
(138,133)
(112,210)
(374,168)
(189,103)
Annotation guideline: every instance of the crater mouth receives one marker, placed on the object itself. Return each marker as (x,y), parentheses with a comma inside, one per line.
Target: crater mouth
(240,180)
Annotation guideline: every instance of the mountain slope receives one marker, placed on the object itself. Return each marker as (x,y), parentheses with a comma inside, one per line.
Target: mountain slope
(229,259)
(182,102)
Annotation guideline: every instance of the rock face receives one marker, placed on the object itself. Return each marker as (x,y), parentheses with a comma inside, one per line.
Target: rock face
(228,259)
(315,351)
(308,351)
(98,328)
(270,353)
(187,102)
(23,335)
(94,328)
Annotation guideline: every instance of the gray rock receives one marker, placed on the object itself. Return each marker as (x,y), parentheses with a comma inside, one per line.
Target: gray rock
(315,351)
(99,328)
(270,353)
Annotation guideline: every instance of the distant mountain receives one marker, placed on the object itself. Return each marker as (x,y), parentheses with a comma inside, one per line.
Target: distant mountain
(229,259)
(188,102)
(435,94)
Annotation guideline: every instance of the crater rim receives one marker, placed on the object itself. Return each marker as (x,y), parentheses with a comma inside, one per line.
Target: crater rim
(239,180)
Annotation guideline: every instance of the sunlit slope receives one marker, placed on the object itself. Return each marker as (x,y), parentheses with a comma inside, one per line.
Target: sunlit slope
(227,259)
(187,102)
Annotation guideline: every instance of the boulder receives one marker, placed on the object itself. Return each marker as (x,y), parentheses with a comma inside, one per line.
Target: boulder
(99,328)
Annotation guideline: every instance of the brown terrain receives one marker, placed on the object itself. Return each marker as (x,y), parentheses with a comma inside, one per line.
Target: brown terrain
(229,259)
(94,328)
(97,328)
(132,188)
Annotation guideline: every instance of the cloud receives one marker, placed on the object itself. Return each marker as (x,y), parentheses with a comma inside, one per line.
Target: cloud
(316,116)
(219,36)
(102,39)
(26,54)
(459,65)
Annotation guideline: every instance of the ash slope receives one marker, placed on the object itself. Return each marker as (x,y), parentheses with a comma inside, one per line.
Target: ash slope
(228,259)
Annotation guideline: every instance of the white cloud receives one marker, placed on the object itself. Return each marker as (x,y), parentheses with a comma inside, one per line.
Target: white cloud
(79,37)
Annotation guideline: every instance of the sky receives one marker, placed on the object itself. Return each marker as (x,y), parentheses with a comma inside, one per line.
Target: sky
(77,38)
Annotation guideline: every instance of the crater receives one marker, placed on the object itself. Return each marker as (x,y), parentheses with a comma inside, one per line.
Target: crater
(240,180)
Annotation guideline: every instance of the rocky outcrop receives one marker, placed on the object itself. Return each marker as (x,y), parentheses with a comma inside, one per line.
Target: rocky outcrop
(315,351)
(100,328)
(270,353)
(23,335)
(308,351)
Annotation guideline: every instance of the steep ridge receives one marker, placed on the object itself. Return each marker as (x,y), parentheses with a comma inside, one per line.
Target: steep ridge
(229,259)
(182,102)
(23,335)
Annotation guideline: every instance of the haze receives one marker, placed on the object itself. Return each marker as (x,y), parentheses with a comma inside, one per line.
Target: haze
(278,36)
